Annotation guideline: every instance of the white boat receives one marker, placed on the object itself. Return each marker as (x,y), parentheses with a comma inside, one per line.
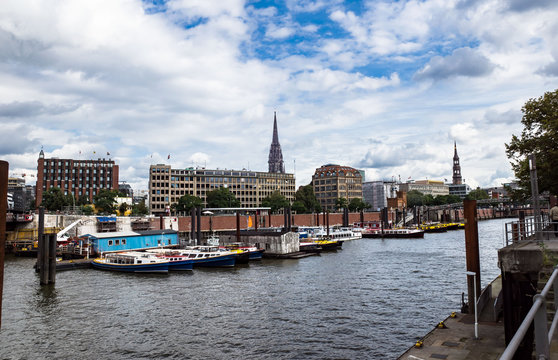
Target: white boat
(132,261)
(339,234)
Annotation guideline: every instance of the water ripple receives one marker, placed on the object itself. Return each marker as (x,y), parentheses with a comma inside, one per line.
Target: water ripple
(371,300)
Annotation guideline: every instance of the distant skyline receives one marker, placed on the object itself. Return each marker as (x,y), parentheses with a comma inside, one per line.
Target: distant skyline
(383,86)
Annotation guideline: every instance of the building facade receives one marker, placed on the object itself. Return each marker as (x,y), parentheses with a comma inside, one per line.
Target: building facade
(460,190)
(167,185)
(376,193)
(77,177)
(20,194)
(426,187)
(332,182)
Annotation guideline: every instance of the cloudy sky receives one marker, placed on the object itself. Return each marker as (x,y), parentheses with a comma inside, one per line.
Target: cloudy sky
(384,86)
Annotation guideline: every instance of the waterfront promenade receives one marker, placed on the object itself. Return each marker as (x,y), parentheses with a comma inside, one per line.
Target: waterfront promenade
(456,341)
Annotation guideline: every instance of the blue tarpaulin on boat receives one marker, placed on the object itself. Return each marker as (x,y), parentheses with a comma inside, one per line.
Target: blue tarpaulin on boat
(106,219)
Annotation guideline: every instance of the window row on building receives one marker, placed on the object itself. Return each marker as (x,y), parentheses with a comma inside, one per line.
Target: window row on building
(77,177)
(249,187)
(331,182)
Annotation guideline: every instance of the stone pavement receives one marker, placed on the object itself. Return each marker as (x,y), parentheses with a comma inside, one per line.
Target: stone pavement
(457,341)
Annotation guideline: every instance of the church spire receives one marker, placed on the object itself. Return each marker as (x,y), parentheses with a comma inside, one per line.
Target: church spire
(457,180)
(275,160)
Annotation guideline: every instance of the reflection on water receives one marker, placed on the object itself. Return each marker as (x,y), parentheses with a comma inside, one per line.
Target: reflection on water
(371,300)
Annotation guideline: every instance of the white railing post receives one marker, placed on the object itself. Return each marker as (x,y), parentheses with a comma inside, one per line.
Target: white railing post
(541,329)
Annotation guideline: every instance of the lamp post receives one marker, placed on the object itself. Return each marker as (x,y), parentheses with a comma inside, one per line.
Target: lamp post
(474,274)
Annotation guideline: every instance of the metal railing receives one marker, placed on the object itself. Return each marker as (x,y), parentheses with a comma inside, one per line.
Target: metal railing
(529,229)
(543,335)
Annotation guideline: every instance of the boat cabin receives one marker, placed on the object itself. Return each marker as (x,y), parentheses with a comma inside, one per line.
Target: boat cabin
(131,240)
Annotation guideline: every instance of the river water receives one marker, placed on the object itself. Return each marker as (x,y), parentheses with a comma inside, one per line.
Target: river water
(371,300)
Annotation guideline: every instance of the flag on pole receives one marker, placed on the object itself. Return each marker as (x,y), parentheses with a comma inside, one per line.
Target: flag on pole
(168,157)
(108,153)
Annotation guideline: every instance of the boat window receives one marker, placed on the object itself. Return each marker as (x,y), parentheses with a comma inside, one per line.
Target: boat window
(139,261)
(117,242)
(123,242)
(110,243)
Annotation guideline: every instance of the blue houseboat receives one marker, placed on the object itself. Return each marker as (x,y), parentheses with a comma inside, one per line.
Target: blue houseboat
(106,242)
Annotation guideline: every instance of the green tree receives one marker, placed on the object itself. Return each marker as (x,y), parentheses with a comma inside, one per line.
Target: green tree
(140,209)
(186,203)
(222,198)
(83,200)
(54,199)
(298,207)
(415,198)
(477,194)
(275,201)
(539,137)
(87,210)
(357,205)
(122,209)
(71,200)
(105,201)
(305,196)
(452,199)
(341,203)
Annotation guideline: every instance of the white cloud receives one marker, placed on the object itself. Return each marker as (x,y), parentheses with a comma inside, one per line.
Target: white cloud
(199,81)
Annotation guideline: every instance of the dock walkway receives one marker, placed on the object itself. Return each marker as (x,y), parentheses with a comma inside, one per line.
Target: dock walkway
(457,341)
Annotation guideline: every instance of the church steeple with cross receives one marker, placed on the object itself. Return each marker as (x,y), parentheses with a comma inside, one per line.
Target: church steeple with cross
(275,160)
(457,180)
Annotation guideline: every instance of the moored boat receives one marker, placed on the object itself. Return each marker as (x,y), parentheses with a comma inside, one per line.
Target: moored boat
(309,247)
(132,262)
(393,233)
(177,261)
(209,256)
(252,252)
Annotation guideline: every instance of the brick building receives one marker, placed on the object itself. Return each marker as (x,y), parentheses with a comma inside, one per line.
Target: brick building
(332,182)
(77,177)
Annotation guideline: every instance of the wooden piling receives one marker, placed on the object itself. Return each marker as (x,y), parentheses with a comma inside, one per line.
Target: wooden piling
(327,224)
(40,239)
(237,226)
(192,224)
(198,225)
(44,249)
(472,250)
(4,166)
(289,217)
(43,265)
(52,258)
